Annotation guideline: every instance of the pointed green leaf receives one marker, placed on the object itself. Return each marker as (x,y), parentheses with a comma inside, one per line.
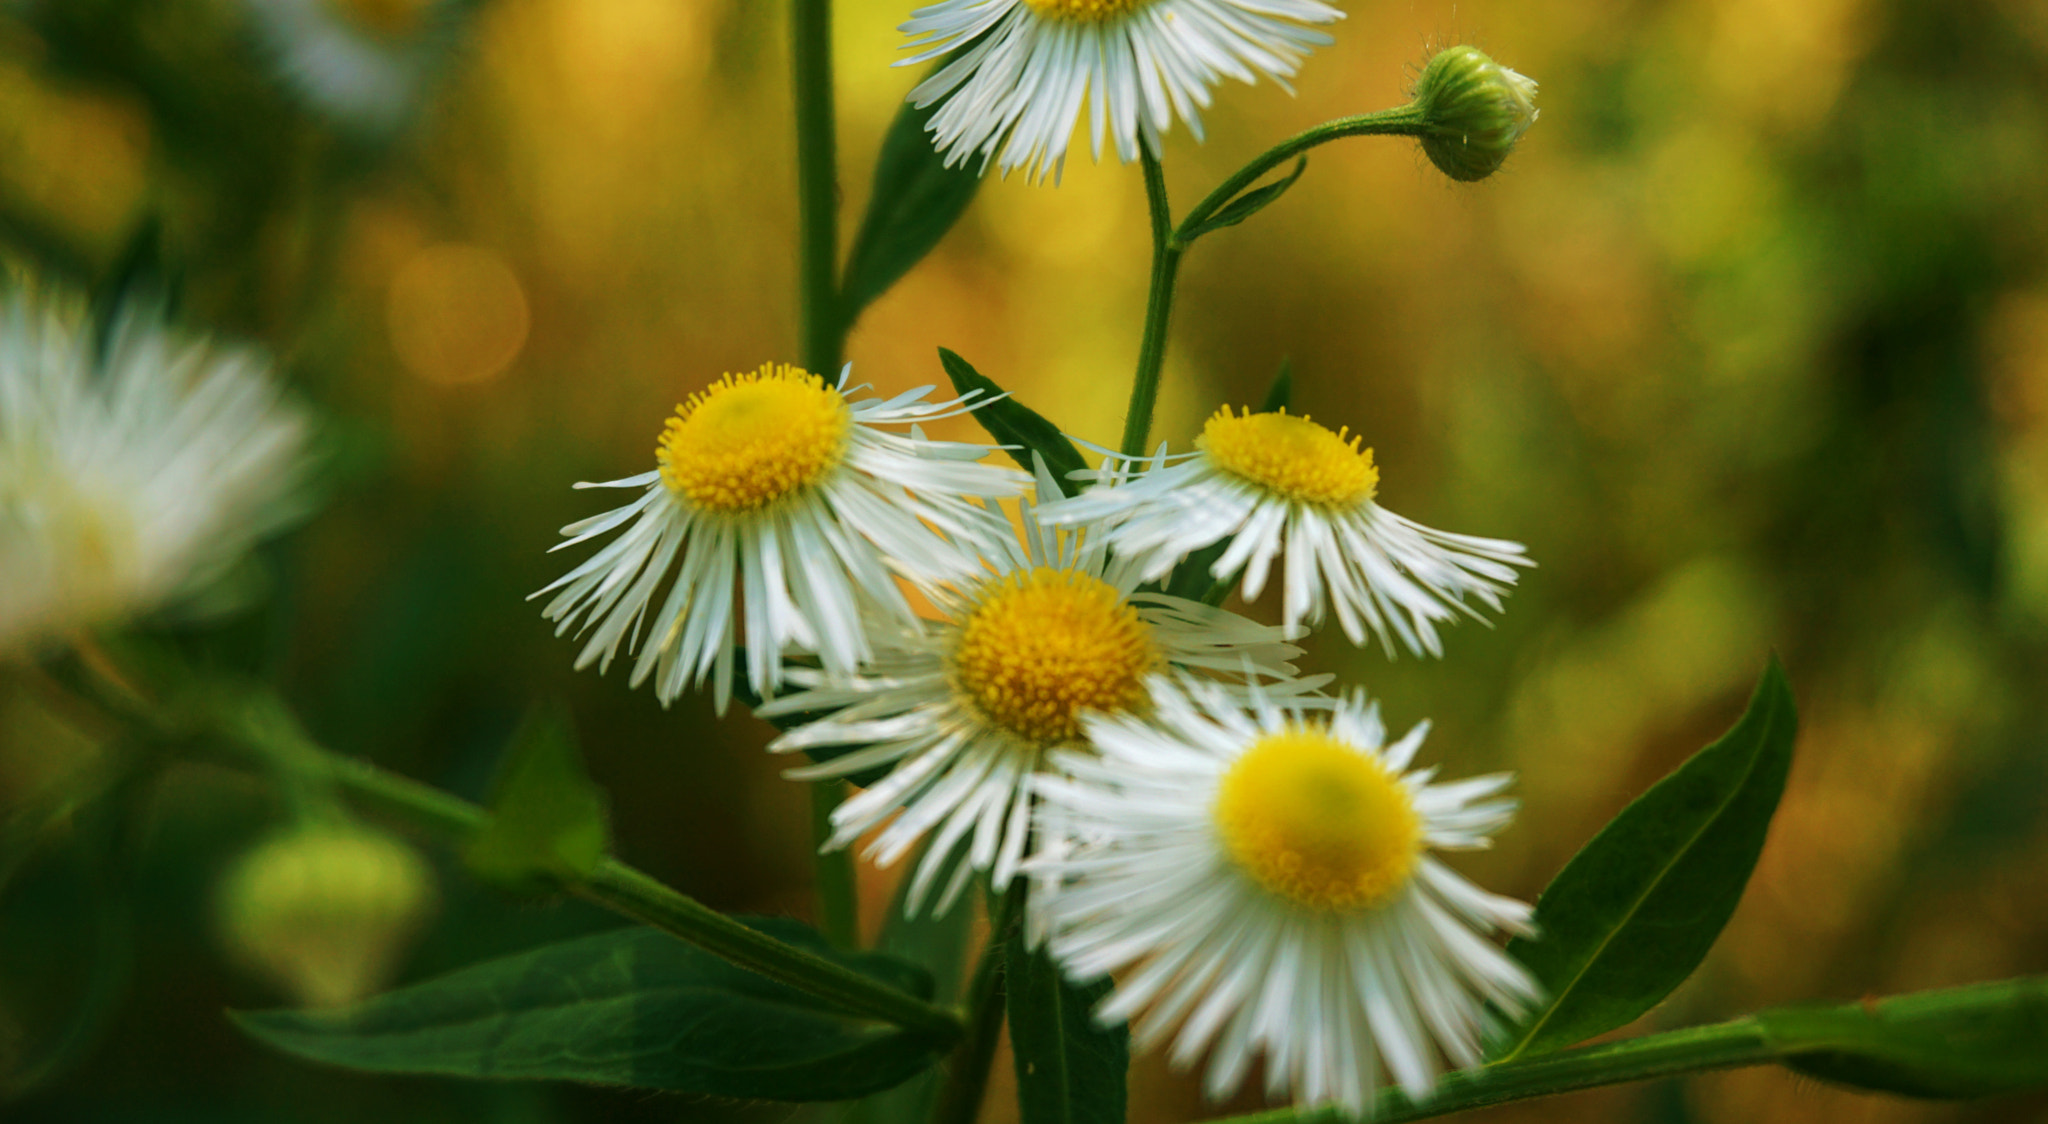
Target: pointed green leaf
(632,1007)
(548,820)
(1246,205)
(1280,395)
(1070,1070)
(1016,425)
(1635,911)
(916,200)
(1979,1041)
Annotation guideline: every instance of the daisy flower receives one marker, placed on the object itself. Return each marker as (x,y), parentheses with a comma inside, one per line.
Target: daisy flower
(137,466)
(362,63)
(780,483)
(967,707)
(1265,881)
(1014,93)
(1274,481)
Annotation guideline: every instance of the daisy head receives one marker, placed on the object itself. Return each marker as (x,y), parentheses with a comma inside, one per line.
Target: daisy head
(136,467)
(1025,68)
(363,64)
(965,709)
(1283,487)
(1264,881)
(781,514)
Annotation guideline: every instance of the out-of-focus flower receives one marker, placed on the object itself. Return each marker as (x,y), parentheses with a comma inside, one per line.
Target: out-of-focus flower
(363,64)
(1474,110)
(137,465)
(777,482)
(966,708)
(1015,93)
(1265,882)
(1274,481)
(325,912)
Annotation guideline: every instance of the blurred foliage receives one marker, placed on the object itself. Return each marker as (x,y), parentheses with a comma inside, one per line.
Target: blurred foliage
(1748,342)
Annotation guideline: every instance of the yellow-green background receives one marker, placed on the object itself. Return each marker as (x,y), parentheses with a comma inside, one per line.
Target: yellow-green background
(1748,343)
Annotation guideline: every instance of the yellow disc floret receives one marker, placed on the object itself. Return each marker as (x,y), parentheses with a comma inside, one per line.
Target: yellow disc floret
(1040,647)
(750,440)
(1292,456)
(1086,11)
(1318,822)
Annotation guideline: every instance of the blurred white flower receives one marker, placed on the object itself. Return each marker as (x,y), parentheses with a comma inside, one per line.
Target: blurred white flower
(364,64)
(1015,93)
(777,482)
(966,708)
(136,467)
(1282,486)
(1265,882)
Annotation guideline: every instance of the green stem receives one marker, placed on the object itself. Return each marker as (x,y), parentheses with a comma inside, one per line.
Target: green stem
(1158,309)
(1402,121)
(817,187)
(614,885)
(1728,1045)
(967,1073)
(838,892)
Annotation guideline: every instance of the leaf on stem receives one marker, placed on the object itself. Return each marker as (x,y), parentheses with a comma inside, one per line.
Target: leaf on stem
(548,821)
(1280,395)
(1978,1041)
(632,1007)
(1070,1070)
(1023,430)
(1635,911)
(916,200)
(1243,207)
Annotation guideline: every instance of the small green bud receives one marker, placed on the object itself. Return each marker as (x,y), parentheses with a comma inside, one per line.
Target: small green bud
(324,912)
(1474,110)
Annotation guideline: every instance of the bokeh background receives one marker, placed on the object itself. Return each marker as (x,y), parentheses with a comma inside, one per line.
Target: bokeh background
(1748,342)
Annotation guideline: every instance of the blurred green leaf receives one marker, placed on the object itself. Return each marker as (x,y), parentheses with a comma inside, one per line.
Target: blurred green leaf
(916,200)
(1633,913)
(1070,1070)
(1976,1041)
(1014,424)
(548,820)
(1245,206)
(632,1007)
(1280,395)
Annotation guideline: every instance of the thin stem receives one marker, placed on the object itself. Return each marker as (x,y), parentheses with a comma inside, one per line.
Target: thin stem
(1158,309)
(838,892)
(967,1073)
(817,187)
(1728,1045)
(1404,121)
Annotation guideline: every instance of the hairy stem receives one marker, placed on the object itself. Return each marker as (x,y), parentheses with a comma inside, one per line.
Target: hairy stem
(1401,121)
(1158,309)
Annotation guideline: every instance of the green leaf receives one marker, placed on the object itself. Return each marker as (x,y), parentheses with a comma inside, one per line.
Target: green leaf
(1246,205)
(548,820)
(633,1007)
(916,200)
(1016,425)
(1280,395)
(1070,1070)
(1635,911)
(1977,1041)
(938,944)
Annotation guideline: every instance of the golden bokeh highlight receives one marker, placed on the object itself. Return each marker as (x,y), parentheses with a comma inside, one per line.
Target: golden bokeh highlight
(457,314)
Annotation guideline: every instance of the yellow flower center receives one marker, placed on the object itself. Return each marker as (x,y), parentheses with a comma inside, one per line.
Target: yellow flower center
(750,440)
(1292,456)
(387,18)
(1041,647)
(1318,822)
(1086,11)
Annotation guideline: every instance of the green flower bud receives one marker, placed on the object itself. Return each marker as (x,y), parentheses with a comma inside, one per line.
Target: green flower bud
(324,912)
(1474,110)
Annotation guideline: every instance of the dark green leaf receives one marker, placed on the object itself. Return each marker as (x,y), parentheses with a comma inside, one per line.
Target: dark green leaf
(1069,1069)
(547,819)
(1280,395)
(938,944)
(630,1007)
(1192,579)
(1247,205)
(1976,1041)
(916,200)
(1633,913)
(1016,425)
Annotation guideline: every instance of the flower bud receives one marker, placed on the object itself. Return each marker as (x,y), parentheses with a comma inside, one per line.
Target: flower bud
(1474,110)
(324,912)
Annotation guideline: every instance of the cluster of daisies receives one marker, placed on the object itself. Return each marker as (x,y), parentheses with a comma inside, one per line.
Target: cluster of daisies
(1249,856)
